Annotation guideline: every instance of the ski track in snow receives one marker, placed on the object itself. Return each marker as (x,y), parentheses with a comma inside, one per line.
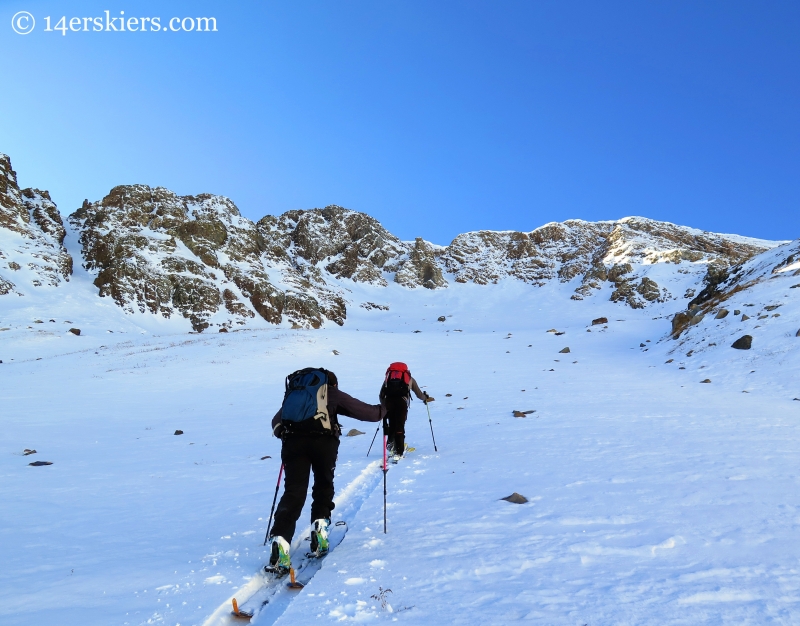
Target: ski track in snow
(348,502)
(653,499)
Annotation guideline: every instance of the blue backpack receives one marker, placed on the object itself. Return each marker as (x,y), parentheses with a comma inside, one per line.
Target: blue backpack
(306,398)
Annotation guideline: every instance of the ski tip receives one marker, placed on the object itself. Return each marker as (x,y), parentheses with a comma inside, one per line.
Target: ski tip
(293,584)
(237,612)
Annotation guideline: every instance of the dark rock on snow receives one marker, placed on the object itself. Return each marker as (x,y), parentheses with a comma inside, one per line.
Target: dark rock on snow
(600,320)
(354,433)
(39,463)
(75,331)
(564,350)
(178,432)
(515,498)
(743,343)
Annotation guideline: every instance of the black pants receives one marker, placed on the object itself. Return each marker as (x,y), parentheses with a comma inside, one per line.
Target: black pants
(300,455)
(395,426)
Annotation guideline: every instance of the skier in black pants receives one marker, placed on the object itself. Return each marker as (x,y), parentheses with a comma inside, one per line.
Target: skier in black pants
(395,395)
(312,445)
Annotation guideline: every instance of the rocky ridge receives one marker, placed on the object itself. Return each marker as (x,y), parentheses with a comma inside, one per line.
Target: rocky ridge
(619,254)
(196,257)
(32,252)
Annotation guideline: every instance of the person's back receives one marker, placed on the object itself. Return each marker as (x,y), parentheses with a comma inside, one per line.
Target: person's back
(308,425)
(395,396)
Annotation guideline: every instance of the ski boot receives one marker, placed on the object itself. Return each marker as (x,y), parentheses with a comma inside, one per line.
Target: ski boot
(319,537)
(279,562)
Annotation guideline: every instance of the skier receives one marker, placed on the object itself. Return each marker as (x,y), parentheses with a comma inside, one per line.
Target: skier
(308,426)
(395,395)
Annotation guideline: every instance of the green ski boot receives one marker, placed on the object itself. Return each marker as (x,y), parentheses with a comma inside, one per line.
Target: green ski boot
(319,537)
(279,561)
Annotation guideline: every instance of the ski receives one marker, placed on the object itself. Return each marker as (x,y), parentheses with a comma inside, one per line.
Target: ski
(394,458)
(274,590)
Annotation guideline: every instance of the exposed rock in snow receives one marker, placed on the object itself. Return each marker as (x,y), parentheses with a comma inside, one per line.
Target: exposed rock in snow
(616,252)
(515,498)
(32,252)
(196,256)
(349,244)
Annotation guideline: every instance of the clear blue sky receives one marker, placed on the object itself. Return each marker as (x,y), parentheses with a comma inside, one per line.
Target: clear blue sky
(435,117)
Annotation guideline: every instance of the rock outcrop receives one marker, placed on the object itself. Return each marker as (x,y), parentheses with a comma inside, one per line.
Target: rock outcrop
(618,254)
(195,256)
(351,245)
(32,252)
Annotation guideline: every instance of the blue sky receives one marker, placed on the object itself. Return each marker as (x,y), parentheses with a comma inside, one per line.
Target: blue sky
(435,117)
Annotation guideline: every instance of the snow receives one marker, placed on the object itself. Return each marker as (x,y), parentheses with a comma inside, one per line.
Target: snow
(653,499)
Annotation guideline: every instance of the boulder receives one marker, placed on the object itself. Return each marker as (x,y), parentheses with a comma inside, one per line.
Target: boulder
(441,318)
(697,319)
(515,498)
(680,322)
(745,317)
(354,433)
(743,343)
(39,463)
(178,432)
(707,380)
(600,320)
(721,314)
(75,331)
(564,350)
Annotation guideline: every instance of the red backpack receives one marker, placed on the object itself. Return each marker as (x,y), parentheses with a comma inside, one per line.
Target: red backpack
(397,383)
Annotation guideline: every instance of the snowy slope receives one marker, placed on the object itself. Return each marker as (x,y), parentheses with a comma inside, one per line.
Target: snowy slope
(653,498)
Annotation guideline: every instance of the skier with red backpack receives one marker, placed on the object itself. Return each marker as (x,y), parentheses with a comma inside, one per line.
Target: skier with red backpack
(308,426)
(395,396)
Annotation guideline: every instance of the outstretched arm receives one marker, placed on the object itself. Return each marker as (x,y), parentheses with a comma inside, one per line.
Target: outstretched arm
(422,395)
(352,407)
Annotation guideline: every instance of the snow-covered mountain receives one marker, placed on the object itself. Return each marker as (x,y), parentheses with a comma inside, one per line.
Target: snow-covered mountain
(568,365)
(196,258)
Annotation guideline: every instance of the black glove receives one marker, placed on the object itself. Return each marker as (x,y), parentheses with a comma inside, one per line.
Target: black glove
(279,430)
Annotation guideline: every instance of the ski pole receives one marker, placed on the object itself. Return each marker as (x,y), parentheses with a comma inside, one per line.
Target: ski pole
(385,469)
(373,440)
(430,421)
(274,500)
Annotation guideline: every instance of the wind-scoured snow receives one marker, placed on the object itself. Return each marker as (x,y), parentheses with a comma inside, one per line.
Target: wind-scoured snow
(653,498)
